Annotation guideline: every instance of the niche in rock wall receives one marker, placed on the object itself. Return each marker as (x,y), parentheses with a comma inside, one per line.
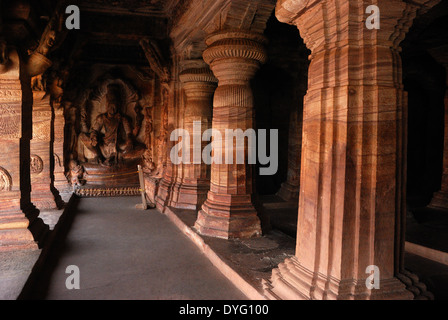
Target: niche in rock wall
(112,132)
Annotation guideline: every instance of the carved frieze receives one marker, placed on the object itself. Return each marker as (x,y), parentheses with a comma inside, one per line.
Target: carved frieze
(10,91)
(10,122)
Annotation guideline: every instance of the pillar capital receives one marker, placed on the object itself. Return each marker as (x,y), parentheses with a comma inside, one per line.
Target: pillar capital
(197,75)
(235,54)
(325,24)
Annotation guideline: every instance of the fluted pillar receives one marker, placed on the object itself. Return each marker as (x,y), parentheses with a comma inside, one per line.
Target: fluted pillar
(228,212)
(352,186)
(199,85)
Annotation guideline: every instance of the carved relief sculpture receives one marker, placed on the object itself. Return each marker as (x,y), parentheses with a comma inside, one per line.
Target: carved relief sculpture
(5,180)
(110,121)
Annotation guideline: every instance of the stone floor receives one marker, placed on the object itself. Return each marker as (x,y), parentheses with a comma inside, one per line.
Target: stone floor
(125,253)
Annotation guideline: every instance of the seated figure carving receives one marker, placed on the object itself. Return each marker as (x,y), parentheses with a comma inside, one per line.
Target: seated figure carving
(111,136)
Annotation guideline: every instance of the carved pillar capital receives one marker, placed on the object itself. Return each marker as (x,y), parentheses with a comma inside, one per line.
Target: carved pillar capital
(198,81)
(319,21)
(235,55)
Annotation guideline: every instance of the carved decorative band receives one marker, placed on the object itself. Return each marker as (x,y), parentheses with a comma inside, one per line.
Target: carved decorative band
(6,84)
(235,48)
(235,44)
(10,122)
(10,91)
(42,115)
(108,192)
(5,180)
(197,75)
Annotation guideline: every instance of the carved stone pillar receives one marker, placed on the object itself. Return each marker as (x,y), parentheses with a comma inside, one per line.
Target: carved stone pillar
(440,199)
(289,191)
(14,232)
(60,180)
(199,84)
(228,212)
(166,171)
(352,190)
(41,193)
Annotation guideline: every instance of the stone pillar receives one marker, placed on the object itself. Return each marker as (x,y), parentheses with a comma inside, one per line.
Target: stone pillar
(14,224)
(440,199)
(166,171)
(199,84)
(228,212)
(289,190)
(352,190)
(41,194)
(60,180)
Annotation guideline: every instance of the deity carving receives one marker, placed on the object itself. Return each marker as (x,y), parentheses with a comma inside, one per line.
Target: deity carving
(104,141)
(36,164)
(76,174)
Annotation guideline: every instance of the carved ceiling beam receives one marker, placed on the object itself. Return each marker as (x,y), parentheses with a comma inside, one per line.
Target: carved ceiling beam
(156,61)
(190,29)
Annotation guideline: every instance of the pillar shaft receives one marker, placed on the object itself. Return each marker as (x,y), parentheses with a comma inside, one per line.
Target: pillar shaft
(199,85)
(234,58)
(166,171)
(60,180)
(41,194)
(14,232)
(352,173)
